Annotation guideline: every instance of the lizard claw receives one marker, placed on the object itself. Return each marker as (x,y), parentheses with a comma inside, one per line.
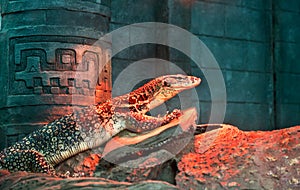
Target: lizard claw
(175,114)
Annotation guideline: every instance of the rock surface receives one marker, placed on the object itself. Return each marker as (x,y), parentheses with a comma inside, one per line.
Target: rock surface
(224,158)
(32,181)
(228,158)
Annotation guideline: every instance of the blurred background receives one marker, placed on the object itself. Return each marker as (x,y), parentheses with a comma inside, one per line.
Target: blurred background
(256,44)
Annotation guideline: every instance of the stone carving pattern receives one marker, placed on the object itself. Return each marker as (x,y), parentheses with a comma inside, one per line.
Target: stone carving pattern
(34,74)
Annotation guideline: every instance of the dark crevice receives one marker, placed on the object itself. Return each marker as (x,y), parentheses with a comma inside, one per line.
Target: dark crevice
(273,62)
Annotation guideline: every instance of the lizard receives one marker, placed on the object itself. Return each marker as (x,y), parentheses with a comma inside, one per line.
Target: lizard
(92,126)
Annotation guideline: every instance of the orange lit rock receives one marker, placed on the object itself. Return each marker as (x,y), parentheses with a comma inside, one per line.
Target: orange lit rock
(224,158)
(230,158)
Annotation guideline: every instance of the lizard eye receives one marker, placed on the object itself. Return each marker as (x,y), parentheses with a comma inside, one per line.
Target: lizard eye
(166,84)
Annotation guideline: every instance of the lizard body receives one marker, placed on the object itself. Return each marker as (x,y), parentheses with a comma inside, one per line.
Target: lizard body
(91,127)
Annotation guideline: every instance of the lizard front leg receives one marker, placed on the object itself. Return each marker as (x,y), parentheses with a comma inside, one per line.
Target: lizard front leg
(141,123)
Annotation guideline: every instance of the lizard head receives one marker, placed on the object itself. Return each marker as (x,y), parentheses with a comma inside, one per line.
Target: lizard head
(156,92)
(178,82)
(171,85)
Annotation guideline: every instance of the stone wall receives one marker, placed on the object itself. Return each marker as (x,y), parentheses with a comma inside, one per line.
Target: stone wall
(134,11)
(286,58)
(243,53)
(254,42)
(238,33)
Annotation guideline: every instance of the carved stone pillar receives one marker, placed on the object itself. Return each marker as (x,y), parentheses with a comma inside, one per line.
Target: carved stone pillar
(48,62)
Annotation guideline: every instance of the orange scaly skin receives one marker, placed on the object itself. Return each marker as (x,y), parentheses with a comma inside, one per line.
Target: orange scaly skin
(91,127)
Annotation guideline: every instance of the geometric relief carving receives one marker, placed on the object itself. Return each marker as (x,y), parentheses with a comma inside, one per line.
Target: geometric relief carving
(65,60)
(74,68)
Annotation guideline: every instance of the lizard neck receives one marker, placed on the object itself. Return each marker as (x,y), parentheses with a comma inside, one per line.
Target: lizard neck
(137,100)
